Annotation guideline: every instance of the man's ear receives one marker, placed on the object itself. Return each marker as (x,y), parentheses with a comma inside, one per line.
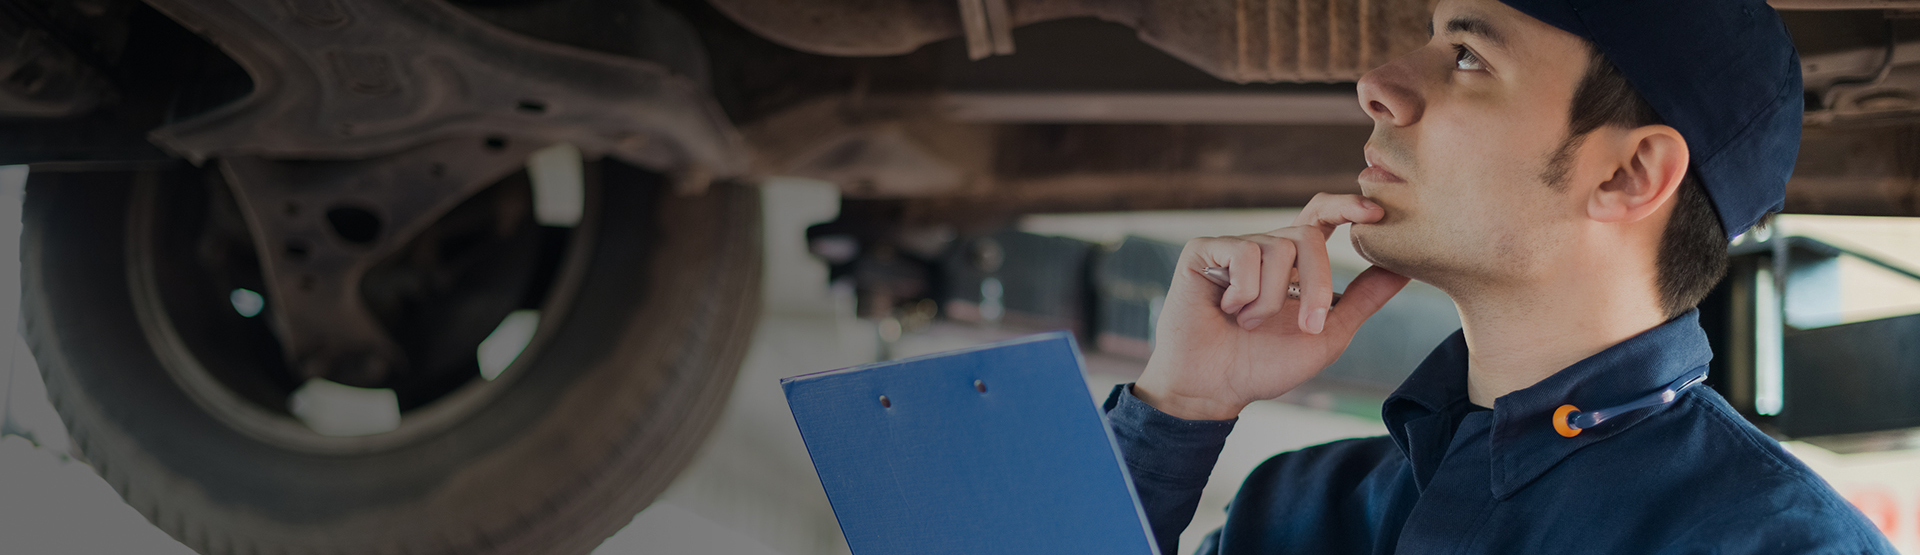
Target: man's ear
(1649,164)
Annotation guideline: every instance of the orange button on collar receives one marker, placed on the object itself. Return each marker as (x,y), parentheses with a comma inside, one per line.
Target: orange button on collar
(1560,421)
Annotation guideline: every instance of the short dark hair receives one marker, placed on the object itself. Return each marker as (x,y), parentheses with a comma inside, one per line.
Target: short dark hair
(1693,248)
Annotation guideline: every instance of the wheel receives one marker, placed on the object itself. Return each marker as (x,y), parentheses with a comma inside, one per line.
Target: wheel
(180,399)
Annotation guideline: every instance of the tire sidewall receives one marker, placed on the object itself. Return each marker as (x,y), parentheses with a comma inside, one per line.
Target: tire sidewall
(605,415)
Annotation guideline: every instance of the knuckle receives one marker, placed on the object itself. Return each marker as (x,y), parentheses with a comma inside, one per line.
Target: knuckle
(1192,248)
(1207,247)
(1204,242)
(1285,247)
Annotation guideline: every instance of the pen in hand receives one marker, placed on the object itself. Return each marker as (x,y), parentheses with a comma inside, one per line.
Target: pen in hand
(1218,276)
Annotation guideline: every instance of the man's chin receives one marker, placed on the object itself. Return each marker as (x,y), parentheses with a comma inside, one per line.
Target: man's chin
(1374,249)
(1357,235)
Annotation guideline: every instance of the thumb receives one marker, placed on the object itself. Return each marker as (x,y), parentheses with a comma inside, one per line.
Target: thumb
(1364,297)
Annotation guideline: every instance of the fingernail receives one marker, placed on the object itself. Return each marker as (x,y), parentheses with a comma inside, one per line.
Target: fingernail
(1370,204)
(1250,324)
(1318,321)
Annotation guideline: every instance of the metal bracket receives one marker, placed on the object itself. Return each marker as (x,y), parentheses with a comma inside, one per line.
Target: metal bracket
(392,112)
(313,267)
(989,28)
(341,79)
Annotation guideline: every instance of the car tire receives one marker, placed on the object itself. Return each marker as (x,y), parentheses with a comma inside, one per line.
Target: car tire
(605,414)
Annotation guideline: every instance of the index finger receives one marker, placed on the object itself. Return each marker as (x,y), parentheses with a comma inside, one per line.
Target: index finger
(1327,211)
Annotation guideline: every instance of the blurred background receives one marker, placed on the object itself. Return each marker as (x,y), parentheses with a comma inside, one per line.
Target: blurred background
(495,276)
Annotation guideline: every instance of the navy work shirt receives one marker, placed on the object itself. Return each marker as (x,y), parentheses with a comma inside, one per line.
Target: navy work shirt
(1691,476)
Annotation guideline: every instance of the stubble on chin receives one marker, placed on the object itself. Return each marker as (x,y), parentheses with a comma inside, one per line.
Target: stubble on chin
(1360,246)
(1391,251)
(1376,250)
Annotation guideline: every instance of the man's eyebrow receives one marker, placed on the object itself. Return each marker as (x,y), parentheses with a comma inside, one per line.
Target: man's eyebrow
(1478,27)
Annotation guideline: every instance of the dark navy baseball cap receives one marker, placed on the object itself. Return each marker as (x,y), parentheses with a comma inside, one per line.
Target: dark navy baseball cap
(1722,72)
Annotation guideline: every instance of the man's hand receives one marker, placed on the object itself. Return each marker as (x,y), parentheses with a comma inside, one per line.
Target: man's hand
(1218,350)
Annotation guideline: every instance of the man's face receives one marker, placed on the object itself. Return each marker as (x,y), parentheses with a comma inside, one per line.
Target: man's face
(1463,130)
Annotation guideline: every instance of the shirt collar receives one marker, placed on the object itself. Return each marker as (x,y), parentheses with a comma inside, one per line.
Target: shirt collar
(1524,442)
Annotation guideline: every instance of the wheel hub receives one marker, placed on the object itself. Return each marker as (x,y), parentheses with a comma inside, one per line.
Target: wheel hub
(319,227)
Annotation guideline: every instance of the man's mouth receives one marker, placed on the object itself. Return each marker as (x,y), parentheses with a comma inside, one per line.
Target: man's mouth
(1377,171)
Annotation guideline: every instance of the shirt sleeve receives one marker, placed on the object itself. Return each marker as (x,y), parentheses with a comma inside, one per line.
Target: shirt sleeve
(1169,459)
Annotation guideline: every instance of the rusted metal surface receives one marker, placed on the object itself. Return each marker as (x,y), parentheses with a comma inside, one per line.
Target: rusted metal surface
(936,167)
(848,27)
(337,79)
(1857,170)
(1844,4)
(893,129)
(1237,40)
(1864,85)
(1091,167)
(1275,40)
(988,153)
(314,262)
(893,147)
(43,79)
(989,27)
(398,110)
(1155,107)
(906,149)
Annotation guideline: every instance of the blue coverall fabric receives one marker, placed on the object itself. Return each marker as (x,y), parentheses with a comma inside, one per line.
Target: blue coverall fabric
(1691,476)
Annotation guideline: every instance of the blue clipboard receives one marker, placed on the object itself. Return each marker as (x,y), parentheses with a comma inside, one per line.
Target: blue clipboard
(992,449)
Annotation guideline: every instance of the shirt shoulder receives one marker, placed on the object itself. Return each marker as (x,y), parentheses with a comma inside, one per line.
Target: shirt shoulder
(1761,499)
(1787,518)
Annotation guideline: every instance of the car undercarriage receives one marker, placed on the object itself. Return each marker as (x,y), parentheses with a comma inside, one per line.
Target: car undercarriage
(390,183)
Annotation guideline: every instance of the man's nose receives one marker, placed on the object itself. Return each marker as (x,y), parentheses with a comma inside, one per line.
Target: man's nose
(1390,94)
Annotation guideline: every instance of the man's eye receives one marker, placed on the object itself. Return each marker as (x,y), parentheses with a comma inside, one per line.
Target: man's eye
(1466,60)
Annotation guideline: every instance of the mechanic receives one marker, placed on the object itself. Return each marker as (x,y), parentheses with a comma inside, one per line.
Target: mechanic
(1569,172)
